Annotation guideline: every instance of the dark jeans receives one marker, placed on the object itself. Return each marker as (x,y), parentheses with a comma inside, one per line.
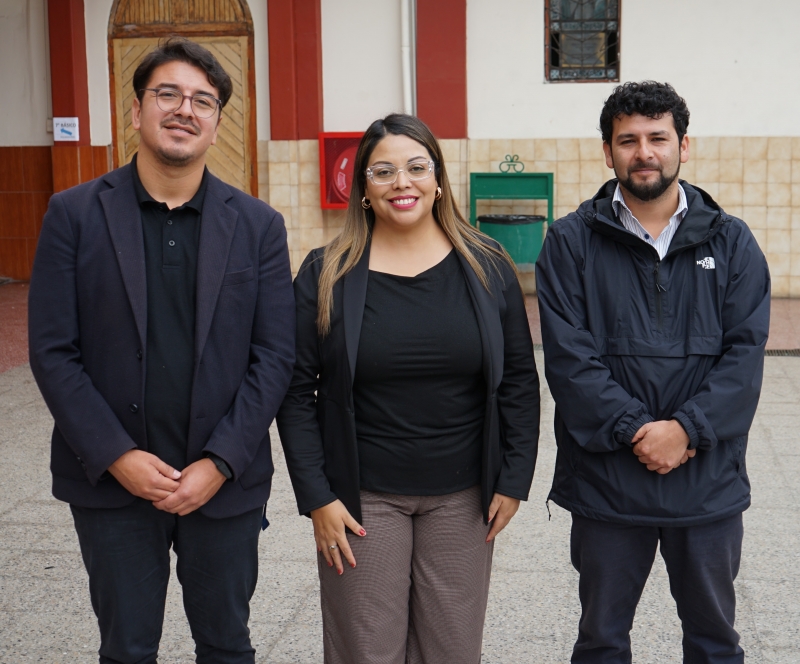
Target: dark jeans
(614,562)
(126,553)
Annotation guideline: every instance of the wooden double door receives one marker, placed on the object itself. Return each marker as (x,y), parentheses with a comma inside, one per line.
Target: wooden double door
(233,157)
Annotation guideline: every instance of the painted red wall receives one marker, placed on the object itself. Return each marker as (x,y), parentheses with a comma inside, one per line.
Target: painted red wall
(68,74)
(72,163)
(295,69)
(442,66)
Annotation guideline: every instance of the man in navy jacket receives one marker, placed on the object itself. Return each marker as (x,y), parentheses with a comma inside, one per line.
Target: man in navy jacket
(655,312)
(162,338)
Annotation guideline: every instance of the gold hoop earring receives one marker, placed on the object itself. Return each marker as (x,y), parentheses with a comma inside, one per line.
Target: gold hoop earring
(438,193)
(365,203)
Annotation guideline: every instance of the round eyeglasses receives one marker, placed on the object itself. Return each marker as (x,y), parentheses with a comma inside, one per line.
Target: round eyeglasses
(387,173)
(169,101)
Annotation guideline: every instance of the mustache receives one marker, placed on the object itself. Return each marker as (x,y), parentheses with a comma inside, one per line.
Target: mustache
(181,121)
(643,166)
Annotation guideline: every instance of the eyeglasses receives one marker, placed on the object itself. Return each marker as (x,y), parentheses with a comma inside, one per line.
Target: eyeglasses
(169,101)
(387,173)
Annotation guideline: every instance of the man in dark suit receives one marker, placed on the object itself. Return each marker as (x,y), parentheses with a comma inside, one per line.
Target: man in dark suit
(162,338)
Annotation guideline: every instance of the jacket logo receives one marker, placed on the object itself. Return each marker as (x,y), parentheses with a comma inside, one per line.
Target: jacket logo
(707,263)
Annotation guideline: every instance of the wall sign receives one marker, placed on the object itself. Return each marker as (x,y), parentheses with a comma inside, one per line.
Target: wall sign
(65,129)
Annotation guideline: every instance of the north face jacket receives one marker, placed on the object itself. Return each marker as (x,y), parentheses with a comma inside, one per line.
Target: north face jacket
(629,338)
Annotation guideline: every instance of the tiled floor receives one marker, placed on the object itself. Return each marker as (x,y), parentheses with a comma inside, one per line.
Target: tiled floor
(784,326)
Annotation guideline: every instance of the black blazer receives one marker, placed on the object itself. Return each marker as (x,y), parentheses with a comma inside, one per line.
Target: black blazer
(88,333)
(317,420)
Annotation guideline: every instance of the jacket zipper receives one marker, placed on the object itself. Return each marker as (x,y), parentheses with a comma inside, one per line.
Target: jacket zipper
(659,289)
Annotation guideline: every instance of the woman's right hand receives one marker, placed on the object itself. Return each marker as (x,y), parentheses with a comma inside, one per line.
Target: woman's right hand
(330,522)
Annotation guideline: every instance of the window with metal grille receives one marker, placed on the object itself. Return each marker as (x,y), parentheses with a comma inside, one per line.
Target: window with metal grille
(582,40)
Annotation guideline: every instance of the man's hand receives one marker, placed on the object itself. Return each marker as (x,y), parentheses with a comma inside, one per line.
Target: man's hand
(199,482)
(501,509)
(662,446)
(145,475)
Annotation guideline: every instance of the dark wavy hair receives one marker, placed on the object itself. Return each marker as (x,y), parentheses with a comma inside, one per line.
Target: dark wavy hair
(648,98)
(180,49)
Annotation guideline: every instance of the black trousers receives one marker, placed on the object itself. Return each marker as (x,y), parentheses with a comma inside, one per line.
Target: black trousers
(614,562)
(126,553)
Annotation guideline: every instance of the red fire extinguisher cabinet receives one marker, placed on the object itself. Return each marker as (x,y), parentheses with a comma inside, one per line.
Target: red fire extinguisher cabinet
(337,155)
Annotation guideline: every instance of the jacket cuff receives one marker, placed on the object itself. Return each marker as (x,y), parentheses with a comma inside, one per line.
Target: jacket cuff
(684,420)
(97,469)
(221,464)
(625,436)
(306,511)
(210,452)
(510,493)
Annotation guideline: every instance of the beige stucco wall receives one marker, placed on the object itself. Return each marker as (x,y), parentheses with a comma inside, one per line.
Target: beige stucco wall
(24,75)
(732,61)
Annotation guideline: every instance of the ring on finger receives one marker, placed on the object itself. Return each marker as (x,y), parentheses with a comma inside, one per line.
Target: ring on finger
(333,547)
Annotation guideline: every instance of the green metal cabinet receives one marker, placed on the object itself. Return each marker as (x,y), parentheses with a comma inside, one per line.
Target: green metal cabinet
(510,186)
(518,240)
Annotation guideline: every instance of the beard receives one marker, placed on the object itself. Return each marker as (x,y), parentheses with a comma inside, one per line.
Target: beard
(174,156)
(647,191)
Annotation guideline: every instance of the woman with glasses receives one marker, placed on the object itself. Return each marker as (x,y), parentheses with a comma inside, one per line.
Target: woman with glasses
(411,425)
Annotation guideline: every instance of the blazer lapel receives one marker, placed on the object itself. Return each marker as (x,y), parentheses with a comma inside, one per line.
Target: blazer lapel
(354,296)
(218,222)
(125,227)
(487,311)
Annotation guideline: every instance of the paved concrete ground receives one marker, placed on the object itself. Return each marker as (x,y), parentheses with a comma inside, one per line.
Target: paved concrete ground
(45,615)
(13,325)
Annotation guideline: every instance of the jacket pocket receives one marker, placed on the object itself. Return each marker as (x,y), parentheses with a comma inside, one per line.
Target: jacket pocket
(240,277)
(736,453)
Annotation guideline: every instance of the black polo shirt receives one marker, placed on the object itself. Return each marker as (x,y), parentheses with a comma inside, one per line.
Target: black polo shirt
(171,241)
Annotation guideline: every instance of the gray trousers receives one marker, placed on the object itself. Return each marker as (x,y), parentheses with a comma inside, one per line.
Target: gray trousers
(419,590)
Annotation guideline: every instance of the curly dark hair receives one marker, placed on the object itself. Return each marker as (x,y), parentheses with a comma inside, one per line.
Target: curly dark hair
(180,49)
(648,98)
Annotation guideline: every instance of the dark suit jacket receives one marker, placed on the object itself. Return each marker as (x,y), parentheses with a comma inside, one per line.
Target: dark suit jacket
(88,333)
(317,421)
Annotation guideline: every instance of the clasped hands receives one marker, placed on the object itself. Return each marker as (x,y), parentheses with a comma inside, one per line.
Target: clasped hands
(177,492)
(662,446)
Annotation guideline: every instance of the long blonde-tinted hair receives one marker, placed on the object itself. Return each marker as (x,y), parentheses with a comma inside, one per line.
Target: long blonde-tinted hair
(346,249)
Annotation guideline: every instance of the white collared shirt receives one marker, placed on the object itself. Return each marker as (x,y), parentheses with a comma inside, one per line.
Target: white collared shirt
(662,242)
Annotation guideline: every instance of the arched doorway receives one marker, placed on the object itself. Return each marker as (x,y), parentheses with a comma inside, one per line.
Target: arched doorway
(225,28)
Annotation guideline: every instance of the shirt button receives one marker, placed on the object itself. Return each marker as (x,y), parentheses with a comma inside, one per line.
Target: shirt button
(139,354)
(169,222)
(172,243)
(134,408)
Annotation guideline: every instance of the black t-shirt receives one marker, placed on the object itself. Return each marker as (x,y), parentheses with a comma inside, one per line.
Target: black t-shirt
(171,243)
(419,391)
